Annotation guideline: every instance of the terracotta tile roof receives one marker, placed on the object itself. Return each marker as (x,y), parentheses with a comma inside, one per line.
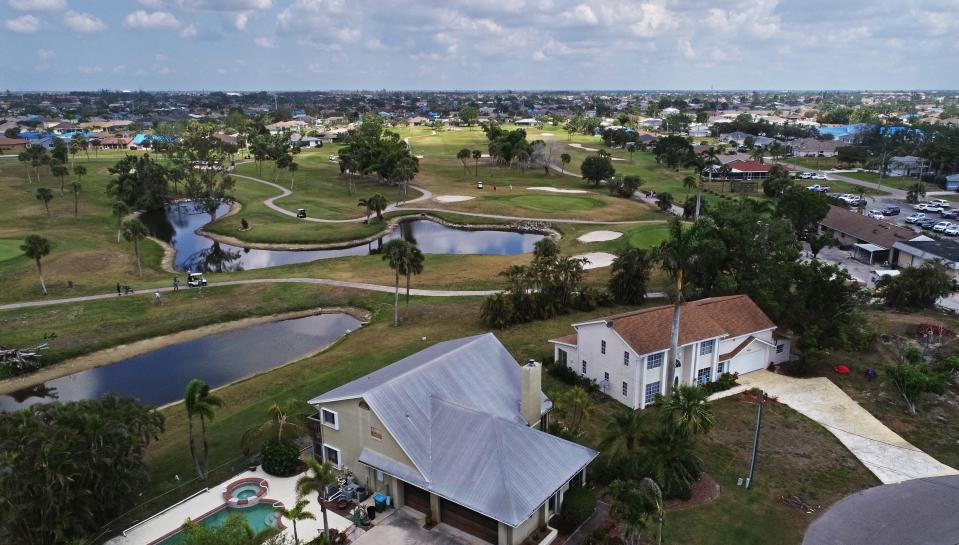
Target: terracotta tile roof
(866,229)
(732,353)
(648,330)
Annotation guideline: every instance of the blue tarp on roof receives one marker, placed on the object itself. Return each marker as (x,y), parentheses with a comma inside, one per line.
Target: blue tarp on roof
(140,139)
(35,135)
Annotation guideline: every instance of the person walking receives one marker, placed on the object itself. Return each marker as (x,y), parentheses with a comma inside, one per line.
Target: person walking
(176,284)
(156,296)
(118,289)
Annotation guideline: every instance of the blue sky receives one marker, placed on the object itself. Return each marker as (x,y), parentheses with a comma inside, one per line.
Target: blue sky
(479,44)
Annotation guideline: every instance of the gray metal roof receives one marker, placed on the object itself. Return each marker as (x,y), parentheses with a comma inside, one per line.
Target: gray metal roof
(454,409)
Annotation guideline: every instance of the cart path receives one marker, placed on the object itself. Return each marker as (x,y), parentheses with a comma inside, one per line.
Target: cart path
(148,292)
(884,452)
(427,195)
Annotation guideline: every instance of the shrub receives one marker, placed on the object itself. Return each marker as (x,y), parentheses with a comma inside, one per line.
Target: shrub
(724,382)
(578,505)
(244,224)
(497,311)
(280,458)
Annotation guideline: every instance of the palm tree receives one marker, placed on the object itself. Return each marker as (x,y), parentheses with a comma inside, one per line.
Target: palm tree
(653,494)
(678,254)
(120,210)
(76,197)
(624,430)
(200,402)
(318,477)
(80,171)
(397,253)
(688,410)
(24,158)
(134,231)
(690,182)
(565,159)
(670,459)
(281,416)
(44,195)
(377,203)
(412,266)
(477,155)
(60,171)
(758,155)
(292,167)
(632,507)
(36,248)
(295,513)
(575,407)
(464,155)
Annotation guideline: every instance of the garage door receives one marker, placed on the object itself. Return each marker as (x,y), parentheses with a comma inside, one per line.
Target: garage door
(469,521)
(745,363)
(416,497)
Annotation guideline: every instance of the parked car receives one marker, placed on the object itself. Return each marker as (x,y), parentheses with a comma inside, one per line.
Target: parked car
(893,211)
(818,188)
(819,176)
(875,214)
(952,230)
(916,218)
(941,226)
(951,214)
(920,206)
(934,208)
(805,175)
(927,223)
(941,202)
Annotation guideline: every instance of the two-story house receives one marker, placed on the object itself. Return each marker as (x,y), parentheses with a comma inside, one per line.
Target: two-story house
(454,430)
(626,354)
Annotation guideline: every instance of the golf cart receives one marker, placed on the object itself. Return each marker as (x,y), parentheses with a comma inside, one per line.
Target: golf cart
(479,185)
(195,280)
(301,212)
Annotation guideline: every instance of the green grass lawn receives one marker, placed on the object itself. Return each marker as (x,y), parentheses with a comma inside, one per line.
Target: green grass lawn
(897,182)
(549,203)
(839,186)
(10,249)
(815,163)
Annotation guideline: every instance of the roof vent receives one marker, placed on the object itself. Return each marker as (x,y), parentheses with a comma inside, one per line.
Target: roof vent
(609,323)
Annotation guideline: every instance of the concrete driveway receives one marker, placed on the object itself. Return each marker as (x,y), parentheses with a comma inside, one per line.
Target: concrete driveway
(405,527)
(890,457)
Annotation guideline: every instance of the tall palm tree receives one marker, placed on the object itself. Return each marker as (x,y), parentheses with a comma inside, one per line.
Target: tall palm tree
(632,507)
(59,170)
(477,155)
(688,410)
(295,513)
(318,477)
(134,231)
(198,401)
(624,430)
(76,197)
(678,254)
(653,494)
(565,159)
(670,459)
(464,155)
(758,155)
(79,171)
(397,253)
(36,248)
(44,195)
(690,182)
(120,210)
(412,266)
(24,158)
(292,167)
(378,203)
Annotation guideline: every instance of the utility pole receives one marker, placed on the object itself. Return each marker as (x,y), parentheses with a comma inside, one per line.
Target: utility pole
(759,421)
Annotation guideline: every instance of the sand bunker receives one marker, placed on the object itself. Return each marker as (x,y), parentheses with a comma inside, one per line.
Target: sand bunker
(555,190)
(582,147)
(599,236)
(597,260)
(452,198)
(546,134)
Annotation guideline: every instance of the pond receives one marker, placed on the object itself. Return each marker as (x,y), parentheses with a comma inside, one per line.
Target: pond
(177,225)
(160,376)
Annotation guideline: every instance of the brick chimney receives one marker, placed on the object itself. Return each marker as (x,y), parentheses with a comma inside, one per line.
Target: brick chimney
(530,390)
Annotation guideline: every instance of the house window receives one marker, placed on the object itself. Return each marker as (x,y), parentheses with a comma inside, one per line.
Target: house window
(625,388)
(651,390)
(780,348)
(584,367)
(706,347)
(702,377)
(626,359)
(331,419)
(561,356)
(375,433)
(721,367)
(331,455)
(654,360)
(606,377)
(602,347)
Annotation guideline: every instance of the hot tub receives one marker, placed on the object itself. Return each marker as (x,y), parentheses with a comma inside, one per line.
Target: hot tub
(245,492)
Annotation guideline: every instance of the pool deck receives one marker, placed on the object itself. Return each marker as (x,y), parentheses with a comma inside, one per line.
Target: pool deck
(281,489)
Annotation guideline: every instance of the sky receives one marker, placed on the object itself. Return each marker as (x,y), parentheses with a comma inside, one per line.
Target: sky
(239,45)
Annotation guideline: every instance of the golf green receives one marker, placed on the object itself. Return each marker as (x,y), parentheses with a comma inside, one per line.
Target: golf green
(10,248)
(551,203)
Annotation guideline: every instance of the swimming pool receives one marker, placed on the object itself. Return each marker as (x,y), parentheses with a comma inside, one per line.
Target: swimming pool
(259,517)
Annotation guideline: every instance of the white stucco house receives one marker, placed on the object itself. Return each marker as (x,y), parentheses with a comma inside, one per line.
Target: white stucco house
(625,354)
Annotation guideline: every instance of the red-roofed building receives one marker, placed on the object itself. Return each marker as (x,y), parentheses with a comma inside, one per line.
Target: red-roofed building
(748,170)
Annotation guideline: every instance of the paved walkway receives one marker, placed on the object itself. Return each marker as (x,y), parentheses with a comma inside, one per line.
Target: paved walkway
(321,281)
(890,457)
(599,516)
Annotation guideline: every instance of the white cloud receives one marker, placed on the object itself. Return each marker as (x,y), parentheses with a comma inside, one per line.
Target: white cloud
(686,48)
(584,14)
(348,35)
(539,56)
(84,22)
(265,42)
(44,54)
(241,19)
(23,25)
(654,19)
(38,5)
(84,69)
(156,20)
(189,32)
